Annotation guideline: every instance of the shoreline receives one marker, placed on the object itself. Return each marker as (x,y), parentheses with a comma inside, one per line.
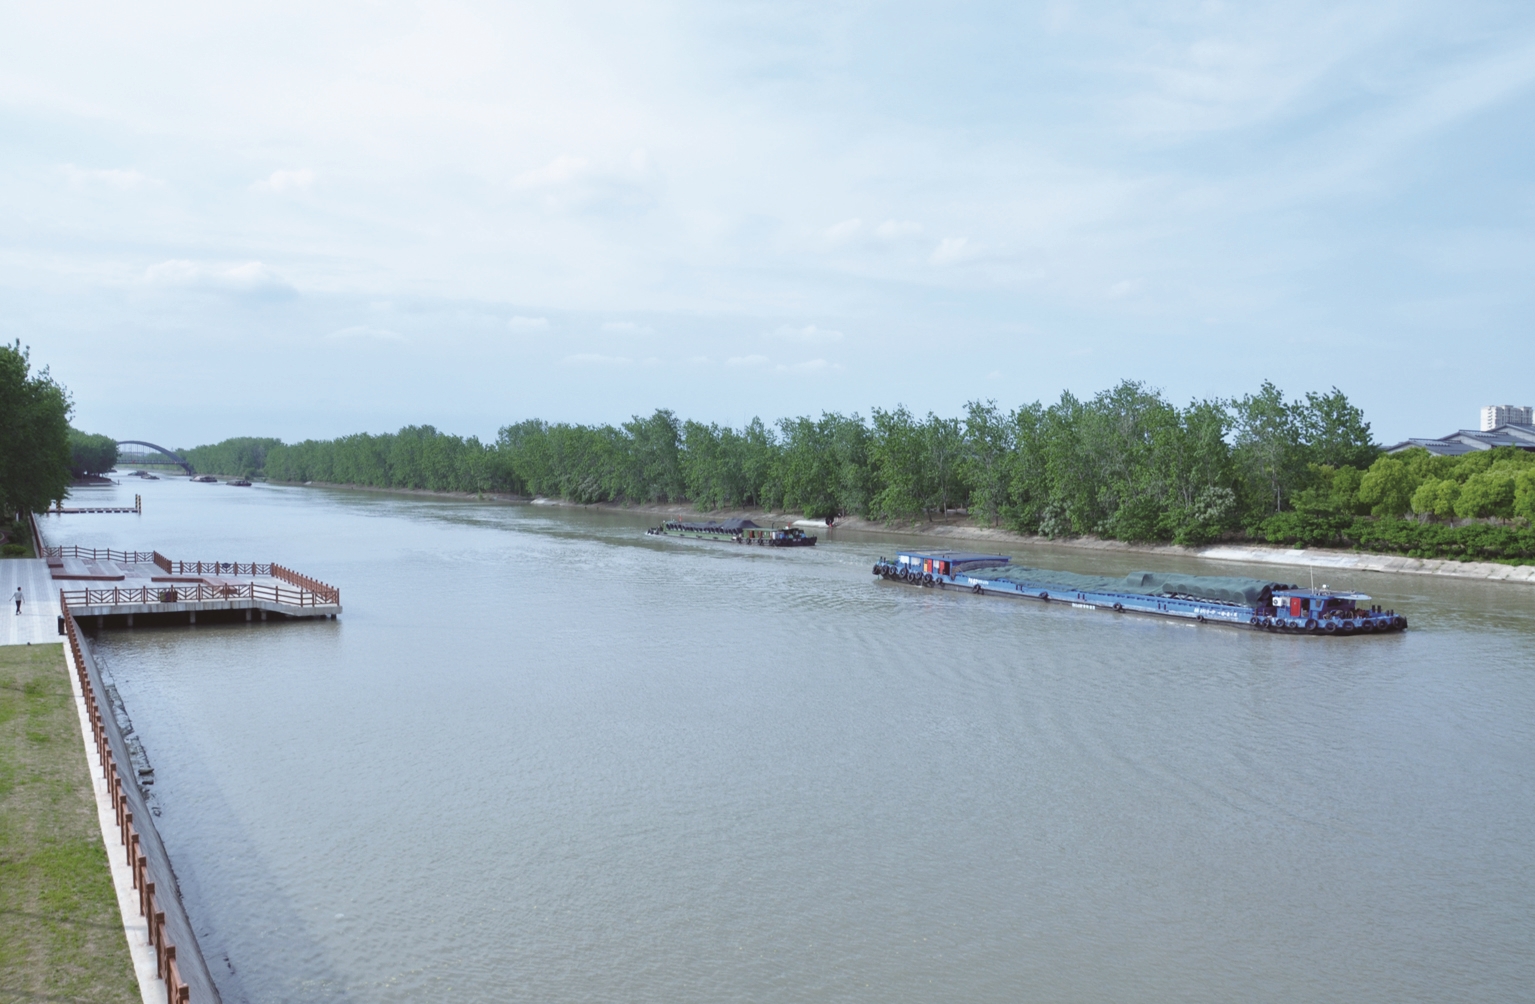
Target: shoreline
(1250,553)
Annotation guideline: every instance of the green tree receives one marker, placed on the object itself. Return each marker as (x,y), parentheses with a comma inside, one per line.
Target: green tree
(1491,493)
(1524,494)
(898,453)
(807,467)
(1334,432)
(984,466)
(1267,447)
(1436,497)
(90,454)
(1387,487)
(34,435)
(1028,481)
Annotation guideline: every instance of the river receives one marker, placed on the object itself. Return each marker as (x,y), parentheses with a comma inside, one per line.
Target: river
(543,757)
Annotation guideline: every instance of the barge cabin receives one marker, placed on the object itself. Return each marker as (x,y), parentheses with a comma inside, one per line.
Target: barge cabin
(738,531)
(1254,603)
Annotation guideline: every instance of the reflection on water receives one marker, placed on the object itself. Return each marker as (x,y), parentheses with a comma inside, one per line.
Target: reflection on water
(544,757)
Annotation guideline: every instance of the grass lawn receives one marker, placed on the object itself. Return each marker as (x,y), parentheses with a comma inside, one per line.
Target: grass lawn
(61,936)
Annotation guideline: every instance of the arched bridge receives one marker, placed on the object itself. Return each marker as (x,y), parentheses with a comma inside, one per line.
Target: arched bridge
(158,449)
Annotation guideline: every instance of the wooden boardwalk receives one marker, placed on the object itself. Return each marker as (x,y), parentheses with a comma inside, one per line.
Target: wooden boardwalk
(62,510)
(124,588)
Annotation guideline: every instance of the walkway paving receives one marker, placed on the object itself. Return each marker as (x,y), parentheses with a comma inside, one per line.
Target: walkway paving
(38,621)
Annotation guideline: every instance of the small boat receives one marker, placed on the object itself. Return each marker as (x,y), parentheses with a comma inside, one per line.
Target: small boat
(1253,603)
(737,531)
(239,483)
(206,479)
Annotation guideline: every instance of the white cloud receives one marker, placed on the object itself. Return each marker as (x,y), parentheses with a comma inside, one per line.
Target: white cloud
(839,233)
(627,328)
(279,182)
(810,333)
(121,180)
(895,229)
(596,359)
(520,323)
(251,277)
(1125,287)
(746,360)
(362,331)
(558,171)
(951,250)
(809,366)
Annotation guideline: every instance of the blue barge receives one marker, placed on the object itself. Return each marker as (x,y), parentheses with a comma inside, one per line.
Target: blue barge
(1251,603)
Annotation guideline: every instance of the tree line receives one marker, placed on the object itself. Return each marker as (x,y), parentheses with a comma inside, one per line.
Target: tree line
(1124,464)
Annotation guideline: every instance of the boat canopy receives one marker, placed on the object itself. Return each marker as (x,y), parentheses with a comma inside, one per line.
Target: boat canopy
(953,562)
(738,524)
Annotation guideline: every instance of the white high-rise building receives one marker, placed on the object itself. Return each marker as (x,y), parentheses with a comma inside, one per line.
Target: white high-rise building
(1495,415)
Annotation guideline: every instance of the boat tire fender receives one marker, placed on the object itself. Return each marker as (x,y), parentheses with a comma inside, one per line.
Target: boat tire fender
(1311,625)
(1045,597)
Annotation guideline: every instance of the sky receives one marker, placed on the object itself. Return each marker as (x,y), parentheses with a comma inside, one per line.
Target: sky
(307,220)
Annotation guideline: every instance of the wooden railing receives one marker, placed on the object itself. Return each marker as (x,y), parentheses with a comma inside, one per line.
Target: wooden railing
(97,554)
(199,592)
(182,567)
(216,567)
(330,593)
(166,968)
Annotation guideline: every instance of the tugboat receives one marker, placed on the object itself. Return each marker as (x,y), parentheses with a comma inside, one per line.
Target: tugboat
(1253,603)
(239,483)
(737,531)
(205,479)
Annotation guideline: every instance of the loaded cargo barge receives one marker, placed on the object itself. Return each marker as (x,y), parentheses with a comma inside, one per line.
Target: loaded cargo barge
(1250,603)
(737,531)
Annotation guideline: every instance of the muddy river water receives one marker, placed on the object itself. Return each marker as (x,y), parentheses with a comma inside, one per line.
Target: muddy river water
(543,757)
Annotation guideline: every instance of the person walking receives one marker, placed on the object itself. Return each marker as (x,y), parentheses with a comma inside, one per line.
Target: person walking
(17,598)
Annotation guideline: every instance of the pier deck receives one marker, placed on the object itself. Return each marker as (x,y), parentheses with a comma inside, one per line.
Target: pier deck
(119,588)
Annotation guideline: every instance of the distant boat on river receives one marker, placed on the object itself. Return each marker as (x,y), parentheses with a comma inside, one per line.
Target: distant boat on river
(736,531)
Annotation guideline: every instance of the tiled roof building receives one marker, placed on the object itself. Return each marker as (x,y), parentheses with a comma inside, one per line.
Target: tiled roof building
(1470,440)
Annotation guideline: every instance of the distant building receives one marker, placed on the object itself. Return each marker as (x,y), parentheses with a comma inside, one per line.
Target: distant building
(1495,415)
(1502,425)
